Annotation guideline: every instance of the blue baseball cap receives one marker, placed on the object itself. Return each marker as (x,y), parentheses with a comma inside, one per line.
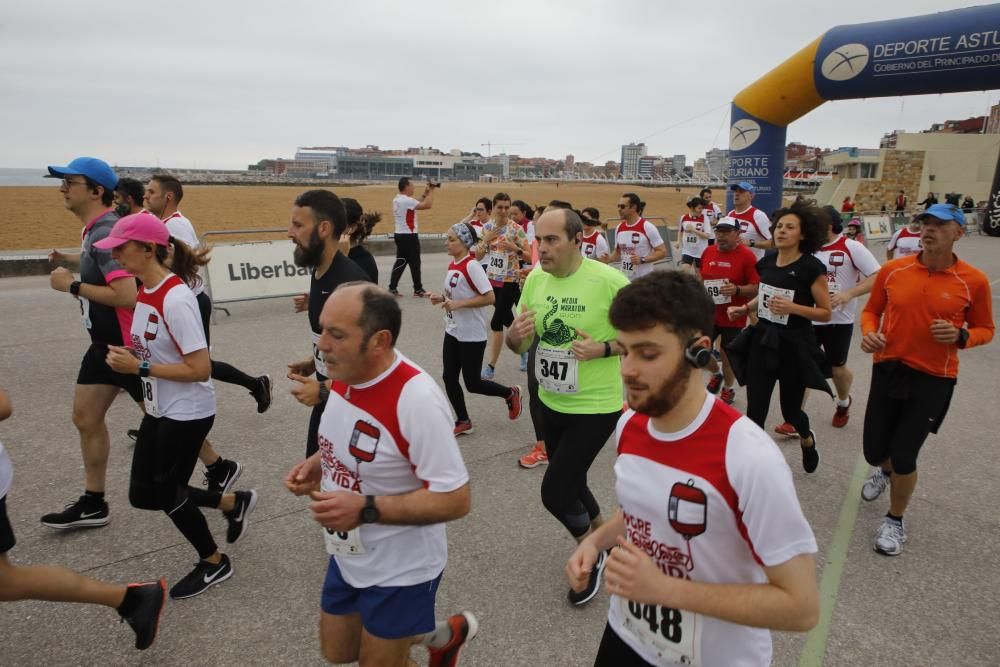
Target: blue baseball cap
(743,185)
(943,212)
(96,170)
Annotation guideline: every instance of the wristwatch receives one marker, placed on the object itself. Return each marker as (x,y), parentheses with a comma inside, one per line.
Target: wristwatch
(369,513)
(144,369)
(642,260)
(751,243)
(74,288)
(963,338)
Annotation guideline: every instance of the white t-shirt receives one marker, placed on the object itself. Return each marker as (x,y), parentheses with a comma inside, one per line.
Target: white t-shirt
(466,279)
(712,213)
(6,471)
(404,214)
(712,503)
(847,264)
(387,437)
(182,229)
(165,326)
(755,226)
(904,243)
(637,239)
(595,245)
(691,243)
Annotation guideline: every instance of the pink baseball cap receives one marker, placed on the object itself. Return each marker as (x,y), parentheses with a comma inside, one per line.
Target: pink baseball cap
(143,227)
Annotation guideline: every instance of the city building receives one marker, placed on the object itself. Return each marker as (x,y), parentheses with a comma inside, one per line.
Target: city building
(717,160)
(630,160)
(993,120)
(677,163)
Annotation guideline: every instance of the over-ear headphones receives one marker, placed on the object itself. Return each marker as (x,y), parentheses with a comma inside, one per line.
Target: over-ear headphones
(698,356)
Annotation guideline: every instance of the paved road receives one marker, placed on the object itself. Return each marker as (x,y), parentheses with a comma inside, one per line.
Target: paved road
(936,604)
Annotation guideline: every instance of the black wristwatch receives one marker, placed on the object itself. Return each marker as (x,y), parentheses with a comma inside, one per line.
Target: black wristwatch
(369,513)
(144,369)
(963,338)
(74,288)
(607,349)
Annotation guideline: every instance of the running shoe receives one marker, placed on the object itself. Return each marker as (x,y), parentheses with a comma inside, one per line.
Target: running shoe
(536,457)
(144,618)
(890,537)
(488,372)
(728,396)
(222,475)
(395,292)
(133,434)
(875,485)
(786,430)
(524,362)
(714,384)
(842,414)
(239,518)
(262,393)
(810,455)
(463,427)
(514,403)
(201,578)
(85,512)
(419,293)
(594,585)
(464,628)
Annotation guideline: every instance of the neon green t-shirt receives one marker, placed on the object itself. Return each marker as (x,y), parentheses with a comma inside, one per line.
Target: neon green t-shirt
(562,305)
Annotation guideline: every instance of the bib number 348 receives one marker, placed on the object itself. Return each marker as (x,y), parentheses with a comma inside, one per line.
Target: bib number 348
(671,633)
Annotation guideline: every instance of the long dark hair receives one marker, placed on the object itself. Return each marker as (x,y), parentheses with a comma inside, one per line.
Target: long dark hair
(184,261)
(813,223)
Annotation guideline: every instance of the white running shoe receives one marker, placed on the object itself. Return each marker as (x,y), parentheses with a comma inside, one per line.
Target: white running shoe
(890,538)
(875,485)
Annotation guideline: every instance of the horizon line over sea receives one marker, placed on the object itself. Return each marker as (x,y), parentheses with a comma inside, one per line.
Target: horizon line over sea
(23,176)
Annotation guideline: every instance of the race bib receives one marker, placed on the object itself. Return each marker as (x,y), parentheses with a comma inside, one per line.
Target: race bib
(627,266)
(343,543)
(556,370)
(496,265)
(714,288)
(832,287)
(149,396)
(85,312)
(319,360)
(763,302)
(691,239)
(674,635)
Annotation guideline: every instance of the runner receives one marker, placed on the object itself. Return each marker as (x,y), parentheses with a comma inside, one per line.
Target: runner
(781,346)
(854,231)
(565,305)
(693,233)
(503,245)
(729,272)
(359,226)
(481,214)
(404,213)
(139,604)
(318,221)
(595,244)
(467,293)
(922,310)
(168,352)
(128,196)
(712,547)
(387,478)
(905,241)
(756,226)
(712,210)
(522,213)
(637,242)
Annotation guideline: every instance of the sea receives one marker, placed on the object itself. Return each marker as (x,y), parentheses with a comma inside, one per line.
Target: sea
(26,177)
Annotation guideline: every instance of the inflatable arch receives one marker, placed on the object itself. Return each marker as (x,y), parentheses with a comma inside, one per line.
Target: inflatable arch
(948,52)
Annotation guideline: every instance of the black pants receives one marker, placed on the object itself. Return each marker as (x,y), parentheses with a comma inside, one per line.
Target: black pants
(791,390)
(166,451)
(407,252)
(614,652)
(466,358)
(221,371)
(572,443)
(535,403)
(312,437)
(507,297)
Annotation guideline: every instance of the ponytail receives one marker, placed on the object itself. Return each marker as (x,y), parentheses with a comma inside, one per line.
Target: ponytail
(184,261)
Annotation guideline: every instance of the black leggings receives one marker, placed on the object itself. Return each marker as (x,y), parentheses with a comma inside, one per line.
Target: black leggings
(407,252)
(791,390)
(466,358)
(166,451)
(221,371)
(503,308)
(534,403)
(572,443)
(614,652)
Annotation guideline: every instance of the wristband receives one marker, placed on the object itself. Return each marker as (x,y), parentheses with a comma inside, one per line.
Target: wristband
(144,369)
(607,349)
(963,338)
(74,288)
(738,290)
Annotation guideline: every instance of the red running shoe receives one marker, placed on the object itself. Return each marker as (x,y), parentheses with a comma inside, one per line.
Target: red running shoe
(786,430)
(514,403)
(842,414)
(464,628)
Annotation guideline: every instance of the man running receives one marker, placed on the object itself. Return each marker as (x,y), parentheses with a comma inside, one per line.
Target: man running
(756,226)
(318,221)
(922,310)
(638,243)
(905,241)
(712,210)
(404,213)
(565,305)
(128,196)
(709,549)
(693,233)
(387,478)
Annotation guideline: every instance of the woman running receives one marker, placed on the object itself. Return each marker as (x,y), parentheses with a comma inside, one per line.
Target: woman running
(359,226)
(168,351)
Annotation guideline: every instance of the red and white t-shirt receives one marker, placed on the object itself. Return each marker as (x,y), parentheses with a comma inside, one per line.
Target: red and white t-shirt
(712,503)
(847,264)
(755,227)
(739,267)
(904,243)
(387,437)
(691,243)
(466,279)
(634,241)
(182,229)
(404,214)
(166,325)
(595,245)
(712,213)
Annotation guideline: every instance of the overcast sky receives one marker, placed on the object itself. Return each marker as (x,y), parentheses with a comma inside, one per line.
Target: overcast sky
(220,83)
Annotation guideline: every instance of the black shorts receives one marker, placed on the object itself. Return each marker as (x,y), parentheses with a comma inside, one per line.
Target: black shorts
(614,652)
(835,339)
(7,540)
(507,297)
(691,259)
(728,335)
(904,407)
(94,369)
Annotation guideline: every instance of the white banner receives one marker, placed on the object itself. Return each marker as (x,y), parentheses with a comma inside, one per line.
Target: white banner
(256,270)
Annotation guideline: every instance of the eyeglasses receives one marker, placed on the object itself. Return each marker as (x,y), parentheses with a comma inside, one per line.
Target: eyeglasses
(622,205)
(66,183)
(480,210)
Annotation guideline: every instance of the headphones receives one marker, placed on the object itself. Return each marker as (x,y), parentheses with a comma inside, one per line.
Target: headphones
(698,356)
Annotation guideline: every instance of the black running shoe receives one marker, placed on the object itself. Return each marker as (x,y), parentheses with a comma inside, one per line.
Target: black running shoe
(262,393)
(221,476)
(147,603)
(86,512)
(810,455)
(239,518)
(133,434)
(201,578)
(594,585)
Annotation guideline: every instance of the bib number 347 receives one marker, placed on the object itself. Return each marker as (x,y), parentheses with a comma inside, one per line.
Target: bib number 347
(671,633)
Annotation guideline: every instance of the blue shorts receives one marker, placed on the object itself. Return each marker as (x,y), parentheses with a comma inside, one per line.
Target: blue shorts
(387,612)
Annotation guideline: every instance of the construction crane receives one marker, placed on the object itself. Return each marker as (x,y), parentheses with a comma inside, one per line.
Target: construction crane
(490,144)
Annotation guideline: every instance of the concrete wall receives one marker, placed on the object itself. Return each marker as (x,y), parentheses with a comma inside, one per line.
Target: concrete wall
(961,163)
(899,170)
